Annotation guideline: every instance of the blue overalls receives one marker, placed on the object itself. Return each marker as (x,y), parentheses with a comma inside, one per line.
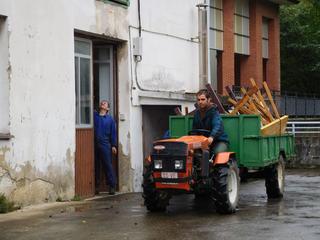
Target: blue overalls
(105,139)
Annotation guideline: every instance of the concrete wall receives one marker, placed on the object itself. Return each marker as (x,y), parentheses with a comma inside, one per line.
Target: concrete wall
(38,163)
(307,151)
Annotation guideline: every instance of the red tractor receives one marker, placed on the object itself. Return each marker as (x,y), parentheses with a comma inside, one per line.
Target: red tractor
(185,165)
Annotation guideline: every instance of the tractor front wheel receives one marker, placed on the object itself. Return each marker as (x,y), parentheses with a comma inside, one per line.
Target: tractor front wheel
(274,179)
(155,200)
(226,184)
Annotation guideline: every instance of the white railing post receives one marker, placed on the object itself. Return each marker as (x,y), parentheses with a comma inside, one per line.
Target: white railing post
(293,129)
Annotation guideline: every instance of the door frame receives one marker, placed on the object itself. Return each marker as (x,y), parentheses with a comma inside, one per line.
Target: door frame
(116,44)
(115,98)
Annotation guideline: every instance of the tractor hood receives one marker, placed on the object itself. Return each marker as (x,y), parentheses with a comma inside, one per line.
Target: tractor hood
(193,142)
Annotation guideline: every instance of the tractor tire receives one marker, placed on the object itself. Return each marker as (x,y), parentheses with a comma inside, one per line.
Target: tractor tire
(243,173)
(154,200)
(225,187)
(201,196)
(274,179)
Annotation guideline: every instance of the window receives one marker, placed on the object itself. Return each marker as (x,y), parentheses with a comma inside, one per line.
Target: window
(241,27)
(123,2)
(83,88)
(4,76)
(103,75)
(265,47)
(265,38)
(264,69)
(216,25)
(215,42)
(237,70)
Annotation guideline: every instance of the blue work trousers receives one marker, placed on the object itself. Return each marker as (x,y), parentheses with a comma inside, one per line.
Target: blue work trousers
(219,147)
(104,155)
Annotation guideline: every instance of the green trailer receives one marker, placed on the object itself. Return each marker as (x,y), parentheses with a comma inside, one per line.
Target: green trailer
(253,151)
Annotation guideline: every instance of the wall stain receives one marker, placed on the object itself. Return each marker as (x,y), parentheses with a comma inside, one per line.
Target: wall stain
(125,171)
(123,52)
(107,20)
(4,167)
(31,186)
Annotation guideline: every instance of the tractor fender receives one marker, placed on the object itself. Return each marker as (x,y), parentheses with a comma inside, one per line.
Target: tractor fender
(223,157)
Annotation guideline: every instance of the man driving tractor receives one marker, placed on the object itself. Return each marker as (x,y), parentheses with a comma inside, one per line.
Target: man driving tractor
(187,164)
(207,117)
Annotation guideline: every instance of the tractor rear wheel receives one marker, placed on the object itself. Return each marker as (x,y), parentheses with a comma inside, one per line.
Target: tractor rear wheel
(155,200)
(274,179)
(226,184)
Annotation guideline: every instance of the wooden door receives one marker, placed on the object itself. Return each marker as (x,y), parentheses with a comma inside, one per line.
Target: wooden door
(84,160)
(84,166)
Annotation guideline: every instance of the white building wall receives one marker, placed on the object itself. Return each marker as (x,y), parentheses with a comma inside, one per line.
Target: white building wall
(170,56)
(38,163)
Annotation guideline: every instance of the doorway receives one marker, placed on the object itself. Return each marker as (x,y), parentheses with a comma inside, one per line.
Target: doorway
(104,89)
(95,80)
(155,123)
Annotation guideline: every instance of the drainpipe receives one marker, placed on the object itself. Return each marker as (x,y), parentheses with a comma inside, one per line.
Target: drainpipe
(203,45)
(139,17)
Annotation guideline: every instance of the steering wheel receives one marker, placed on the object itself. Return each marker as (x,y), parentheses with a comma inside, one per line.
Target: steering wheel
(200,132)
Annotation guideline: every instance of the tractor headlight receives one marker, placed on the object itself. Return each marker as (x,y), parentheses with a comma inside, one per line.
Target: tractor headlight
(157,164)
(178,164)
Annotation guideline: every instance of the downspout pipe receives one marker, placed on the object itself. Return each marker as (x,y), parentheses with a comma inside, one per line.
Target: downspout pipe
(139,17)
(203,45)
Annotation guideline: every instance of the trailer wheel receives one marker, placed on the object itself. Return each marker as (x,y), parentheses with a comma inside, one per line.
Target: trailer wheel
(226,184)
(274,179)
(154,200)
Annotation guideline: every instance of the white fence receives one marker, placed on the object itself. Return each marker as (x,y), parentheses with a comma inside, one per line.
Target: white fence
(303,127)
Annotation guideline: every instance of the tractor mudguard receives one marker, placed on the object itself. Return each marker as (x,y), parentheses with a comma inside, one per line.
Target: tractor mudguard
(223,158)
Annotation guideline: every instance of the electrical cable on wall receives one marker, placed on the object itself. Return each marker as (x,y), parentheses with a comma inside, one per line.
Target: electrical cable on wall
(135,51)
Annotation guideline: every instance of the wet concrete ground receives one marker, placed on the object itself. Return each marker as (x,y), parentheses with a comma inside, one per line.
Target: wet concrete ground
(296,216)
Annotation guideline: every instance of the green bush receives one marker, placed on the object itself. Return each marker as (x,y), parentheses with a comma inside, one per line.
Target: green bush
(59,199)
(6,205)
(76,198)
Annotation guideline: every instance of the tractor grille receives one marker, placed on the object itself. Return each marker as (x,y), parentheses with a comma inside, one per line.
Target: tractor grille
(172,151)
(168,163)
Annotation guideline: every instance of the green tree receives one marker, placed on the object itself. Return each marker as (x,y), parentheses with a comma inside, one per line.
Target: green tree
(300,47)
